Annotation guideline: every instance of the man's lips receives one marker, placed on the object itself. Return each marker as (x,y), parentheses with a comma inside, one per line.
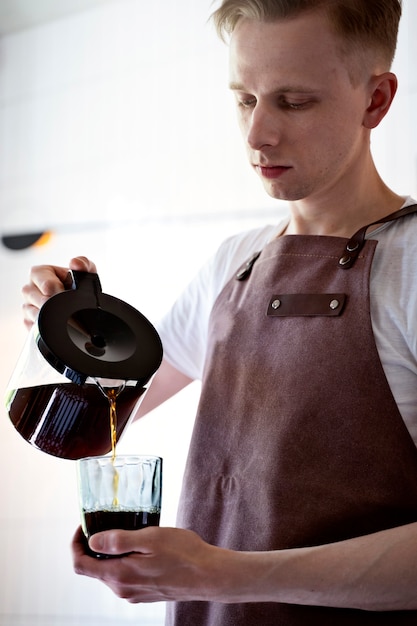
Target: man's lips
(272,171)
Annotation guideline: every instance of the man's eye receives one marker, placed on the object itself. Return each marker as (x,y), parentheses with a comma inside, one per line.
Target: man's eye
(294,106)
(247,103)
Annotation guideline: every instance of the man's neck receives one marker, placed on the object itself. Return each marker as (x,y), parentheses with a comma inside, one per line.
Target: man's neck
(343,216)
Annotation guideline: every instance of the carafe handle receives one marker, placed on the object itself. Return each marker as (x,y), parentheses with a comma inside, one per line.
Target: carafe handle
(84,281)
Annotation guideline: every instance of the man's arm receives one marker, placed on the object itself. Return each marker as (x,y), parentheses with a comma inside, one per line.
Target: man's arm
(166,383)
(376,572)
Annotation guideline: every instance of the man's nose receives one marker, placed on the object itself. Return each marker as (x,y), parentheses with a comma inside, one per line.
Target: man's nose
(263,128)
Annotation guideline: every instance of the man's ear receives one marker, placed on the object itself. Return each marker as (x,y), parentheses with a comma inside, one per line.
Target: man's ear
(382,91)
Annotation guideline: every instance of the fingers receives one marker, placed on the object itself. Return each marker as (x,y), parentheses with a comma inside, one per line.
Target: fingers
(115,573)
(85,562)
(79,545)
(127,576)
(46,281)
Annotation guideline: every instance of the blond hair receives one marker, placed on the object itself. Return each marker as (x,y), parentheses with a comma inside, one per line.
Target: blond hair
(364,24)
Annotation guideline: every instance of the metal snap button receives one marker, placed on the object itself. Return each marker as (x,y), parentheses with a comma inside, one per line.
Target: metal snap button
(334,304)
(351,247)
(344,260)
(276,304)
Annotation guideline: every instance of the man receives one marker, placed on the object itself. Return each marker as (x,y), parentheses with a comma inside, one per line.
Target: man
(299,503)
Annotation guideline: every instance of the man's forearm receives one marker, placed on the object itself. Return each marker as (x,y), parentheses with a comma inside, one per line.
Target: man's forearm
(376,572)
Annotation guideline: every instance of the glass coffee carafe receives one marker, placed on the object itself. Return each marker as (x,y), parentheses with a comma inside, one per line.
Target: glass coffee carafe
(86,348)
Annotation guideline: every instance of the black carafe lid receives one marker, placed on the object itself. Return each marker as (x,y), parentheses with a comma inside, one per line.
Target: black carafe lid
(84,332)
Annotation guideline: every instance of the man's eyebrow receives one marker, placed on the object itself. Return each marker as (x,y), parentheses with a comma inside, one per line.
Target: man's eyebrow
(236,86)
(302,89)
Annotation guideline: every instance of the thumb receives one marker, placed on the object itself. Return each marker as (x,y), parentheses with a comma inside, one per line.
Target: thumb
(116,542)
(82,264)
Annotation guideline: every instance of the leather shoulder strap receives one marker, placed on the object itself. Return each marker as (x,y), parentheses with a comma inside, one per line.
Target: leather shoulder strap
(357,241)
(352,248)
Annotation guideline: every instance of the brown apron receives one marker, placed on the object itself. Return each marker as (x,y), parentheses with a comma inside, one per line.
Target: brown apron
(298,440)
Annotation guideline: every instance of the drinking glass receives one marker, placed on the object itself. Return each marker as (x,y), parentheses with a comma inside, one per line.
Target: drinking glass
(124,492)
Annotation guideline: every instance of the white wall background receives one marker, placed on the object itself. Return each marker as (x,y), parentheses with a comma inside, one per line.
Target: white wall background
(117,132)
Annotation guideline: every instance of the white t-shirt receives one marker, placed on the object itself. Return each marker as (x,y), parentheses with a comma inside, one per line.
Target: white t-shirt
(393,306)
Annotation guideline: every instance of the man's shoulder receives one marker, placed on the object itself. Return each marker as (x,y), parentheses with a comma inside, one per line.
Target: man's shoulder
(253,240)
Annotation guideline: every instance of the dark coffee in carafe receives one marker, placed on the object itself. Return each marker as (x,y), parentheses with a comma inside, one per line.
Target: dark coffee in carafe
(76,420)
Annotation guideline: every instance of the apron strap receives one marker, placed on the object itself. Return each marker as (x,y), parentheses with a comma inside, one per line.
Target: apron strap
(352,248)
(357,241)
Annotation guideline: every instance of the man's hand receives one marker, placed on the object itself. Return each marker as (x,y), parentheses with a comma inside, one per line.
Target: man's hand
(154,565)
(46,281)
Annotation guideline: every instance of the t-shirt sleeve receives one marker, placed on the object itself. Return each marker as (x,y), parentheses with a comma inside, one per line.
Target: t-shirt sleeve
(184,329)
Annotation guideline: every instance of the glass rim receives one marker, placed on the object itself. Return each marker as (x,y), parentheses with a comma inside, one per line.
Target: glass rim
(120,457)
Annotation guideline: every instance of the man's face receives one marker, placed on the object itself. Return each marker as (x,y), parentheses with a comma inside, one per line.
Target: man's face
(299,113)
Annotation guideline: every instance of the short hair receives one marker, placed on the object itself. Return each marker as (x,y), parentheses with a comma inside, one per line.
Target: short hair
(363,24)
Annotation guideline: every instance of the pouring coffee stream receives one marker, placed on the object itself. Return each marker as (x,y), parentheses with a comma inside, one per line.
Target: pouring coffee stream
(88,351)
(111,394)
